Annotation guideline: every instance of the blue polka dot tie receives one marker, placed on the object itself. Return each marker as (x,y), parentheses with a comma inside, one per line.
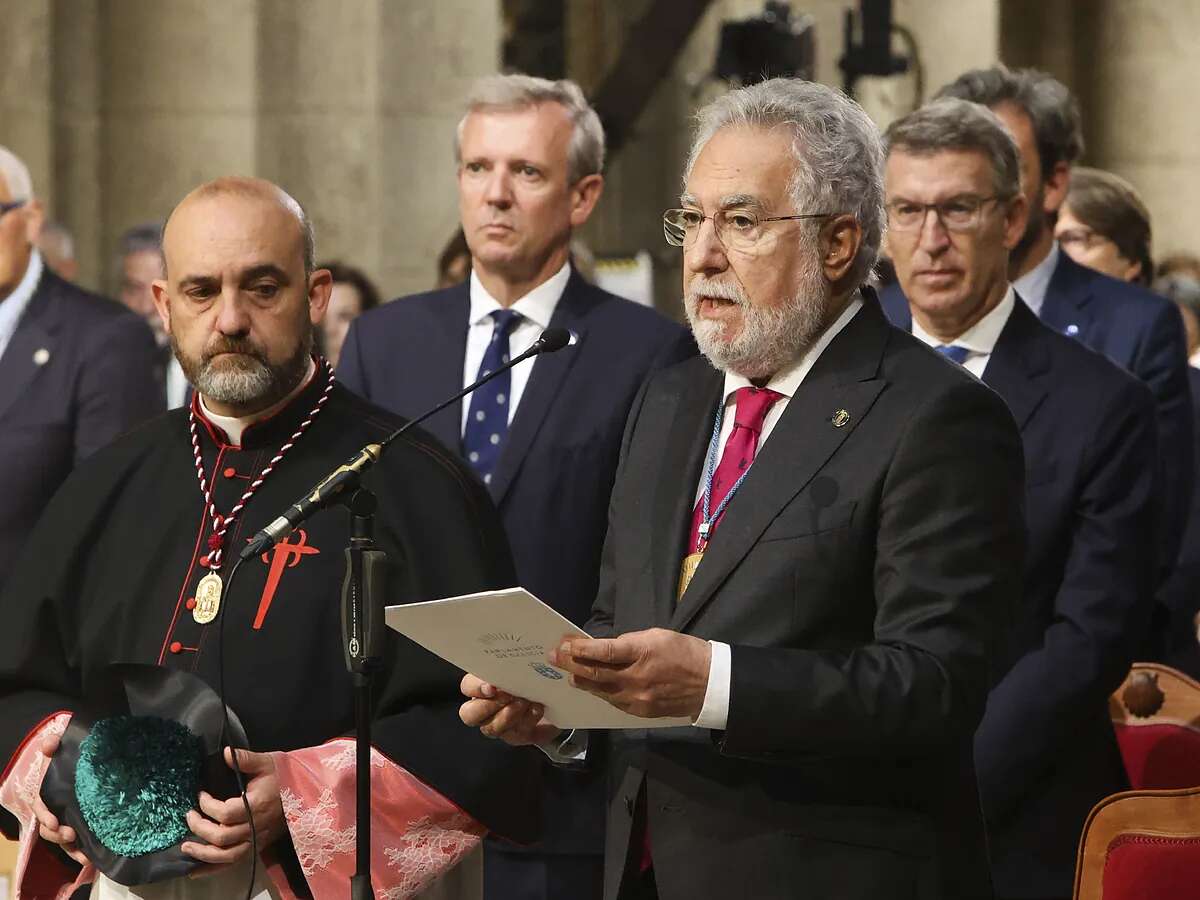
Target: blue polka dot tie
(958,354)
(487,422)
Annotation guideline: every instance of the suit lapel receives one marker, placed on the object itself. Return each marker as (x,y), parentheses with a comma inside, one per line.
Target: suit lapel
(1066,307)
(549,372)
(676,480)
(32,341)
(1018,364)
(443,369)
(845,378)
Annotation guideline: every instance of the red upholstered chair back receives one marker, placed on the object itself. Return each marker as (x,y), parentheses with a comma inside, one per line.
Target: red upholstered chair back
(1141,845)
(1156,715)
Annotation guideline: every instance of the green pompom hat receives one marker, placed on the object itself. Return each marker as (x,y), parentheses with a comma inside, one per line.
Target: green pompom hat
(135,781)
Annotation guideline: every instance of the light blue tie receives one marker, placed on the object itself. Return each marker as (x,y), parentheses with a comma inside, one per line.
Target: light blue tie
(958,354)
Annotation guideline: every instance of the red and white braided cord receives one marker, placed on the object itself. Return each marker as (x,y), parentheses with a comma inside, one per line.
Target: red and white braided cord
(221,523)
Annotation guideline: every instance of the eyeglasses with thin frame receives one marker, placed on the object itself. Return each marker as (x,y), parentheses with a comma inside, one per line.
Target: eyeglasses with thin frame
(737,229)
(960,213)
(6,208)
(1082,237)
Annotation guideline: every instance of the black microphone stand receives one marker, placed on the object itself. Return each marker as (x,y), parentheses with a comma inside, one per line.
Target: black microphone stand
(364,588)
(363,591)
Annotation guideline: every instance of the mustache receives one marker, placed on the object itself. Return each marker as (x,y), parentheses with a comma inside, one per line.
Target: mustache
(241,346)
(701,288)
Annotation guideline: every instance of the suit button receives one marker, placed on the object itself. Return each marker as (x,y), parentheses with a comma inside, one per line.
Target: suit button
(176,647)
(231,472)
(629,805)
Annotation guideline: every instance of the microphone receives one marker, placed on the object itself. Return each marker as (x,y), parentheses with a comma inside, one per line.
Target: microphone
(347,475)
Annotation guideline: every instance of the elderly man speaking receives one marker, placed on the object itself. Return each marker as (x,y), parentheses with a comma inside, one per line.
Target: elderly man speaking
(815,536)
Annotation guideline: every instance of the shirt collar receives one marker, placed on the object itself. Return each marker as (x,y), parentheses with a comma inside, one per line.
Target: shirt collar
(537,306)
(14,305)
(787,380)
(982,336)
(235,426)
(1032,286)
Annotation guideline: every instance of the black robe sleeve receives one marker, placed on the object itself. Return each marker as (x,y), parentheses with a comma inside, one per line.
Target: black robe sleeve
(451,543)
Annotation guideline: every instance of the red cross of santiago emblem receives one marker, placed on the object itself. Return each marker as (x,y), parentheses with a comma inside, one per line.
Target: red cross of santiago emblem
(285,555)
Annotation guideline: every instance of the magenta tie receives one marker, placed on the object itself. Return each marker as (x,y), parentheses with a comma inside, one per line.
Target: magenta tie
(752,405)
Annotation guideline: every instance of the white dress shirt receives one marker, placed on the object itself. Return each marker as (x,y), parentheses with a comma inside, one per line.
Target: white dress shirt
(980,339)
(14,305)
(1032,286)
(535,308)
(715,711)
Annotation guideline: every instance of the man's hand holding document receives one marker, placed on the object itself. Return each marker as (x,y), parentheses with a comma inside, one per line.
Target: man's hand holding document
(523,686)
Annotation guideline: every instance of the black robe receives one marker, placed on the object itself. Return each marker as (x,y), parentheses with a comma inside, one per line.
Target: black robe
(107,575)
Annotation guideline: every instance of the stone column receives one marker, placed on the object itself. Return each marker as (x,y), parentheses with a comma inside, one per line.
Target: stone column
(431,52)
(1135,79)
(179,102)
(26,104)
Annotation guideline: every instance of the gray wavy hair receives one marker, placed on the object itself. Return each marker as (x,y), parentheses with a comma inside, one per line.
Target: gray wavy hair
(836,147)
(953,124)
(585,156)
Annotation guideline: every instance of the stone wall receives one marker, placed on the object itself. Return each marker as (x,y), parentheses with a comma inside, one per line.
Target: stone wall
(121,106)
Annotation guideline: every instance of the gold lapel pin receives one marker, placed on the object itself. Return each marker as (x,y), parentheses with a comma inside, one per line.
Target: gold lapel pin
(840,418)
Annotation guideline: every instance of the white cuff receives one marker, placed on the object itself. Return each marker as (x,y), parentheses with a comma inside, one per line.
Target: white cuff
(569,747)
(714,713)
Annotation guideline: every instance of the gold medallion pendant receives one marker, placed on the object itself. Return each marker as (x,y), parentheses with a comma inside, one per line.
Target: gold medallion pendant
(208,598)
(691,562)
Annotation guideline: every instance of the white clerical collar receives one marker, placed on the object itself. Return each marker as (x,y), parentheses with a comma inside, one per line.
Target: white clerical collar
(1032,286)
(788,379)
(982,336)
(235,426)
(14,305)
(537,306)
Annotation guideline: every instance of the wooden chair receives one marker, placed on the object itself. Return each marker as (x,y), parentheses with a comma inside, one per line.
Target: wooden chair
(1156,716)
(1141,845)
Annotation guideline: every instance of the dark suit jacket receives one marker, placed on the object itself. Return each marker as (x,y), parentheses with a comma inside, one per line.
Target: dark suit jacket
(97,380)
(1184,586)
(1142,333)
(1046,752)
(861,575)
(555,472)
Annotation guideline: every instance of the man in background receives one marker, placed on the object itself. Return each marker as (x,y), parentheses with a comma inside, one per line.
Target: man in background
(139,264)
(76,370)
(57,246)
(545,437)
(1045,752)
(1136,329)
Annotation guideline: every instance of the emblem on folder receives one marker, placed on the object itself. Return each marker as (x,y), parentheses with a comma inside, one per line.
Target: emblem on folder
(546,671)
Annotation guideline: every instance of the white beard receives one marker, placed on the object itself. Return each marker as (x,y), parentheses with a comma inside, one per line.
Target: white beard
(769,339)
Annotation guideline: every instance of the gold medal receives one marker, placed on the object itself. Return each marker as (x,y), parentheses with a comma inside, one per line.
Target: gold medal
(691,563)
(208,598)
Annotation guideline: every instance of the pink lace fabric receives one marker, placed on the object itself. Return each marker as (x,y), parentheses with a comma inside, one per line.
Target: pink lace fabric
(39,875)
(416,833)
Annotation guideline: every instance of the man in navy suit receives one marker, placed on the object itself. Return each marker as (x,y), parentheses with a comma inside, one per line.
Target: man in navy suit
(545,438)
(76,370)
(1136,329)
(1045,750)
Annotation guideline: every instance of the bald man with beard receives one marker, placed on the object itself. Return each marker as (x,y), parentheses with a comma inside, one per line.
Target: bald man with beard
(114,575)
